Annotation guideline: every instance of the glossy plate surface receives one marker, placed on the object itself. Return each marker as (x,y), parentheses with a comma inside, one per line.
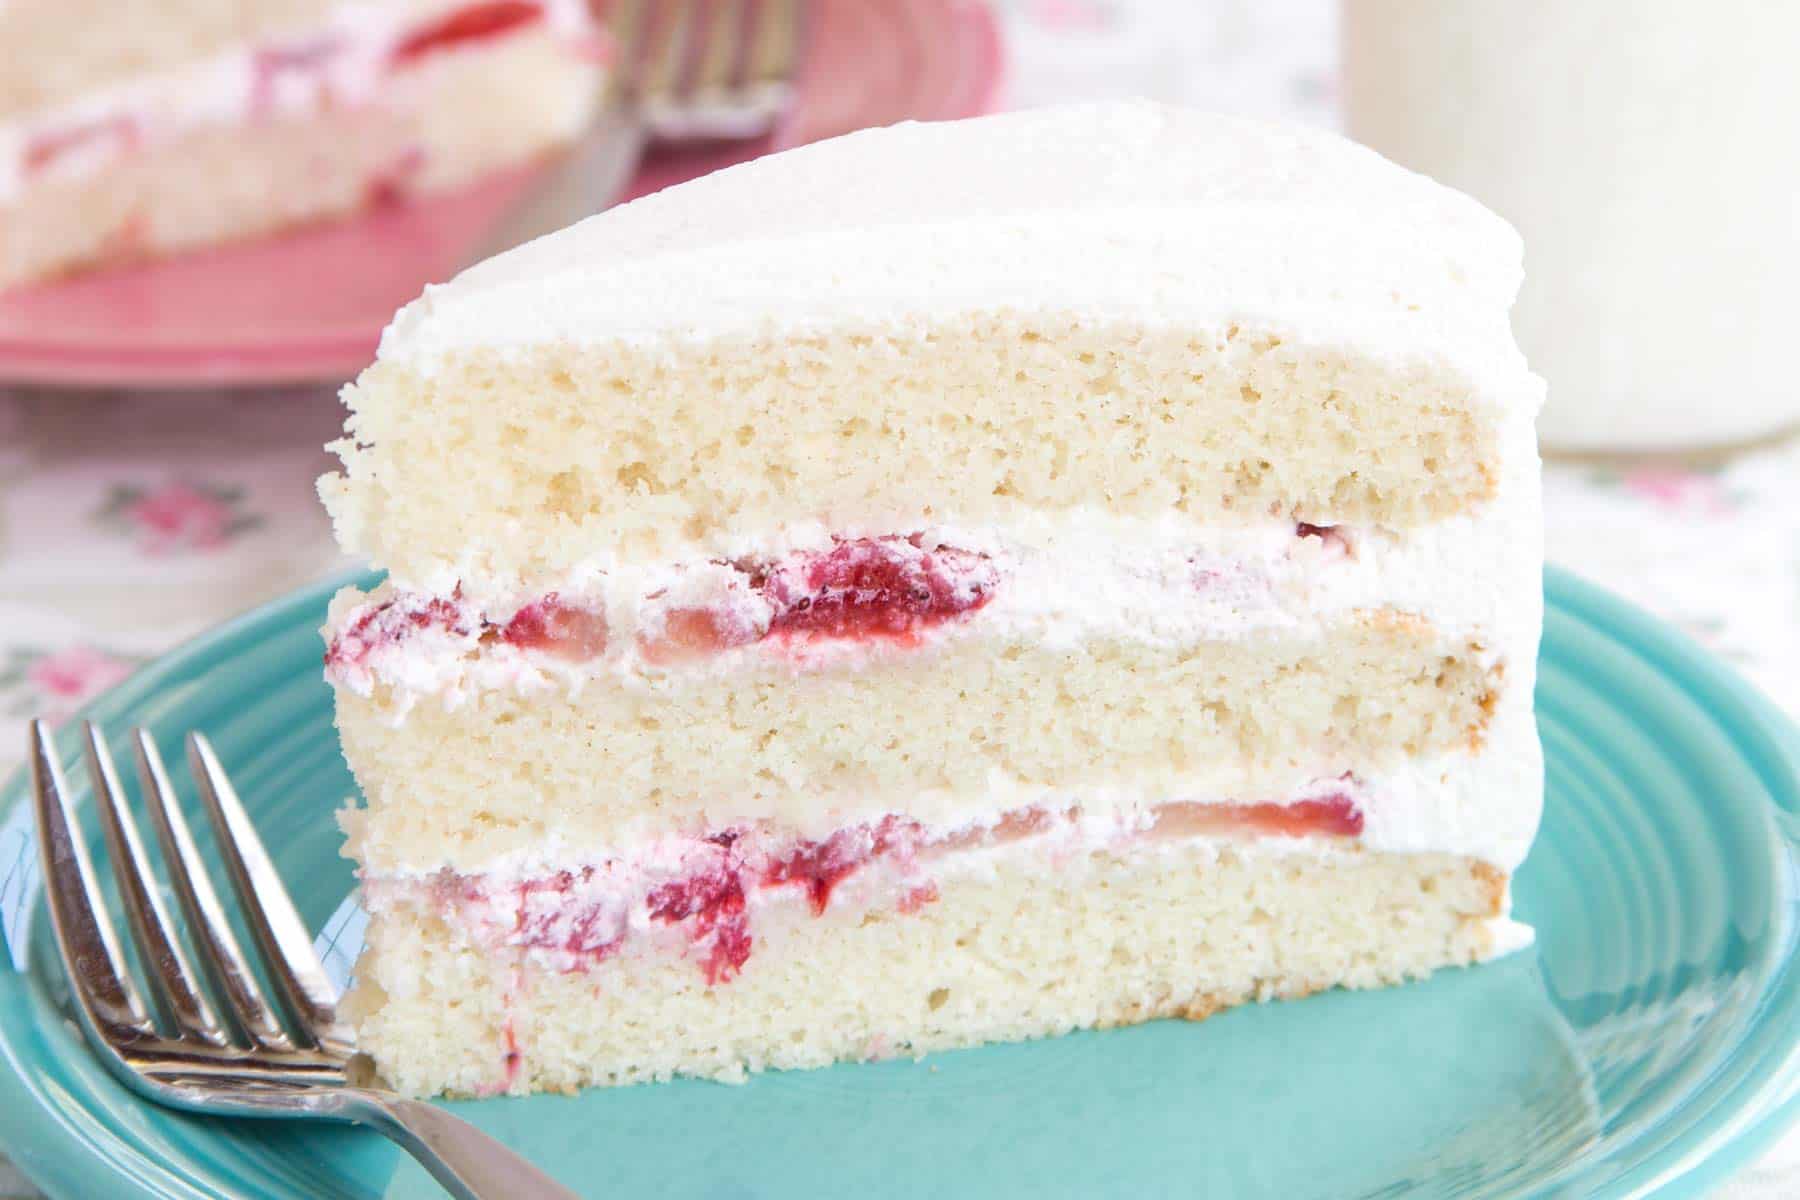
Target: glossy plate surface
(310,304)
(1647,1045)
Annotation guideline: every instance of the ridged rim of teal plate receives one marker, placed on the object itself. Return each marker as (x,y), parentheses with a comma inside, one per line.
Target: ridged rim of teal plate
(1735,1104)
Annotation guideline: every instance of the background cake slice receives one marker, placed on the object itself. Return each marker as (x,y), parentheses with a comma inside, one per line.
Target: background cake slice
(135,130)
(948,583)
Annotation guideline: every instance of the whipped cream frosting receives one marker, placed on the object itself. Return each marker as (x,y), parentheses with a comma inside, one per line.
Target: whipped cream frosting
(1135,212)
(343,59)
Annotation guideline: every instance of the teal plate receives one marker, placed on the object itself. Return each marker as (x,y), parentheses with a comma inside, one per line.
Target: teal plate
(1648,1044)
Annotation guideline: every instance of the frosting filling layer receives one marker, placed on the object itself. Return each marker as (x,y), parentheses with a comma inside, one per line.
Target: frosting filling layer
(701,896)
(813,597)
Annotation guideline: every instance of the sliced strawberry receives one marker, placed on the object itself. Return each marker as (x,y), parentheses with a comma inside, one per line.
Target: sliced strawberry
(1333,536)
(1330,816)
(391,622)
(588,934)
(819,866)
(44,149)
(471,23)
(714,900)
(690,633)
(552,626)
(876,587)
(1335,815)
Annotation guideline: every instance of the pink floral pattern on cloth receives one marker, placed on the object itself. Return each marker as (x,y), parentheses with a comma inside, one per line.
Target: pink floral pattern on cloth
(1070,15)
(1712,549)
(54,683)
(178,517)
(1675,489)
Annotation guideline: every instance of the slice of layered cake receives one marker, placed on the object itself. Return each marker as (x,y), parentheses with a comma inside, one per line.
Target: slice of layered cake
(133,130)
(948,583)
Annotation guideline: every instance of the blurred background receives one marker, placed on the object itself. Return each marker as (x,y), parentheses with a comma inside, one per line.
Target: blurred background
(161,422)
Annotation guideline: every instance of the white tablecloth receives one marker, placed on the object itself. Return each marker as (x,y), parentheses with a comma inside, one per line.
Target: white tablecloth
(128,523)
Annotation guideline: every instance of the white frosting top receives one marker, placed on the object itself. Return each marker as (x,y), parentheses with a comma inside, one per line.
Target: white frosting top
(1131,211)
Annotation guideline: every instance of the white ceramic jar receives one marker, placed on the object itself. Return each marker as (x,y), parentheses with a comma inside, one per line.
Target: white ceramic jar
(1649,152)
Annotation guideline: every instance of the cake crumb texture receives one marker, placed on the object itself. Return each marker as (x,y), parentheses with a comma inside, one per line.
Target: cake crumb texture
(613,763)
(1017,955)
(518,466)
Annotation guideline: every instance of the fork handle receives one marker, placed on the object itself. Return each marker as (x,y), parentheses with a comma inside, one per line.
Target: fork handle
(470,1164)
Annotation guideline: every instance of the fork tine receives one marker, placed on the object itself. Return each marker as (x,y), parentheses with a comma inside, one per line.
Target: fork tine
(634,27)
(104,992)
(287,948)
(228,972)
(766,39)
(732,51)
(725,75)
(668,34)
(775,41)
(174,992)
(708,49)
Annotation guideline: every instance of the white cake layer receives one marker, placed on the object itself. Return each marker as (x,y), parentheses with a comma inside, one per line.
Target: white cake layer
(344,60)
(1113,939)
(1166,218)
(1484,804)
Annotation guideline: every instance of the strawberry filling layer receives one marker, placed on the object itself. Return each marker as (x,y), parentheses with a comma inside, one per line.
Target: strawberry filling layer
(701,891)
(863,589)
(892,590)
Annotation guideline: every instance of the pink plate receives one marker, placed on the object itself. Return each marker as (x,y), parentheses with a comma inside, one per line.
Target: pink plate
(310,304)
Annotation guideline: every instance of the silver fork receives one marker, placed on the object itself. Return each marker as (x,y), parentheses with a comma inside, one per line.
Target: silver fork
(213,1042)
(688,71)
